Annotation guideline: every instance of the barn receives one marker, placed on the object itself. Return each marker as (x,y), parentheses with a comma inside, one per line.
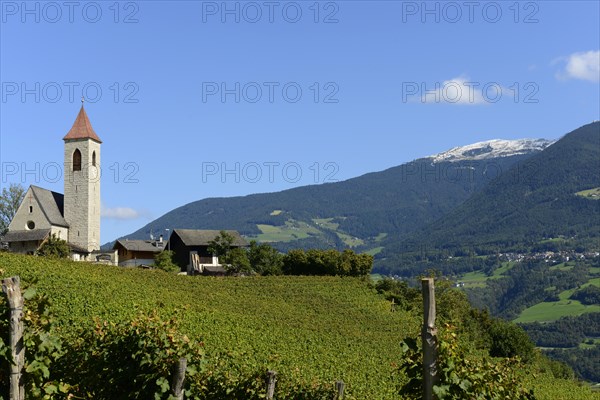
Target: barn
(190,247)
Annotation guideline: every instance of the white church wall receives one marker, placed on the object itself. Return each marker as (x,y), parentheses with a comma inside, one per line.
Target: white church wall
(60,232)
(29,215)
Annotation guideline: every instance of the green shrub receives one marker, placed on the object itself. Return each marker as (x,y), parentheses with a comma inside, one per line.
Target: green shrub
(236,261)
(164,261)
(43,348)
(54,247)
(509,340)
(130,359)
(264,259)
(226,379)
(398,291)
(327,262)
(462,375)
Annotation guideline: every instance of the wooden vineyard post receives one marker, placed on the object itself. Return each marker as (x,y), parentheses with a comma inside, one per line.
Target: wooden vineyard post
(12,288)
(339,387)
(429,338)
(179,378)
(271,379)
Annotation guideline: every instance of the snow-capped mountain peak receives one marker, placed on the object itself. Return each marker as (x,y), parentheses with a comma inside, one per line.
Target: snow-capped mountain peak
(492,149)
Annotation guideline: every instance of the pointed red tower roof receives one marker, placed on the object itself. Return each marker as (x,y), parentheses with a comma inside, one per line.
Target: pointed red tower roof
(82,128)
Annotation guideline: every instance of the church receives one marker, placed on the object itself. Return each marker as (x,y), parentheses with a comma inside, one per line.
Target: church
(73,216)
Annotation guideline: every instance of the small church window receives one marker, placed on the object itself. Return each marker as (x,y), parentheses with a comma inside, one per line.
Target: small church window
(30,209)
(77,160)
(30,225)
(94,158)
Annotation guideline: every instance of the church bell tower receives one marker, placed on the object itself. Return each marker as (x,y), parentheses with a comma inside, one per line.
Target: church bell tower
(82,183)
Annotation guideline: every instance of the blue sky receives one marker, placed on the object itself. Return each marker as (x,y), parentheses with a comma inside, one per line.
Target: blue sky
(198,99)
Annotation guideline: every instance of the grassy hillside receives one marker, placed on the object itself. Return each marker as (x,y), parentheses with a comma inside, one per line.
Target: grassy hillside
(564,306)
(554,302)
(542,297)
(590,193)
(307,328)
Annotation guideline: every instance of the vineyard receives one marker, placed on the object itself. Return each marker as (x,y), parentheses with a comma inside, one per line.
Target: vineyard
(312,330)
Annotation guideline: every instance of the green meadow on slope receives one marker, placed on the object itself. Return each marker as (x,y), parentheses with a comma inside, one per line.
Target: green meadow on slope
(564,306)
(545,310)
(309,329)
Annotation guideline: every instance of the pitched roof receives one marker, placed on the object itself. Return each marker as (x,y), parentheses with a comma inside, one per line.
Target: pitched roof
(52,205)
(82,128)
(26,236)
(36,235)
(198,237)
(140,245)
(78,249)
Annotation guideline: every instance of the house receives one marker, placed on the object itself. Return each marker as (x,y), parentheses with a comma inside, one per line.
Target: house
(74,216)
(133,253)
(190,247)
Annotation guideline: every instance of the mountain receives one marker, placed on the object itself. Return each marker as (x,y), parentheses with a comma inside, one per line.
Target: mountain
(492,149)
(552,195)
(358,212)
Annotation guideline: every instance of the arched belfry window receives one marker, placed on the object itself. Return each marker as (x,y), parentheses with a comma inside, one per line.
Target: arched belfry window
(94,158)
(77,160)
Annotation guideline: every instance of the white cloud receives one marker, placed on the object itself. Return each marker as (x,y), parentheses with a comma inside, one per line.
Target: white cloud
(461,90)
(119,213)
(583,65)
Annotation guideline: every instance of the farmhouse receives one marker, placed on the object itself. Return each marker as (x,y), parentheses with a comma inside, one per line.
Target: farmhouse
(191,250)
(133,253)
(74,216)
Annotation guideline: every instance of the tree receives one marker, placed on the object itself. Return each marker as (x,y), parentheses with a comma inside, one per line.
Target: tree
(510,340)
(54,247)
(221,244)
(352,264)
(10,200)
(398,291)
(326,262)
(294,262)
(463,374)
(264,259)
(588,295)
(164,261)
(236,261)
